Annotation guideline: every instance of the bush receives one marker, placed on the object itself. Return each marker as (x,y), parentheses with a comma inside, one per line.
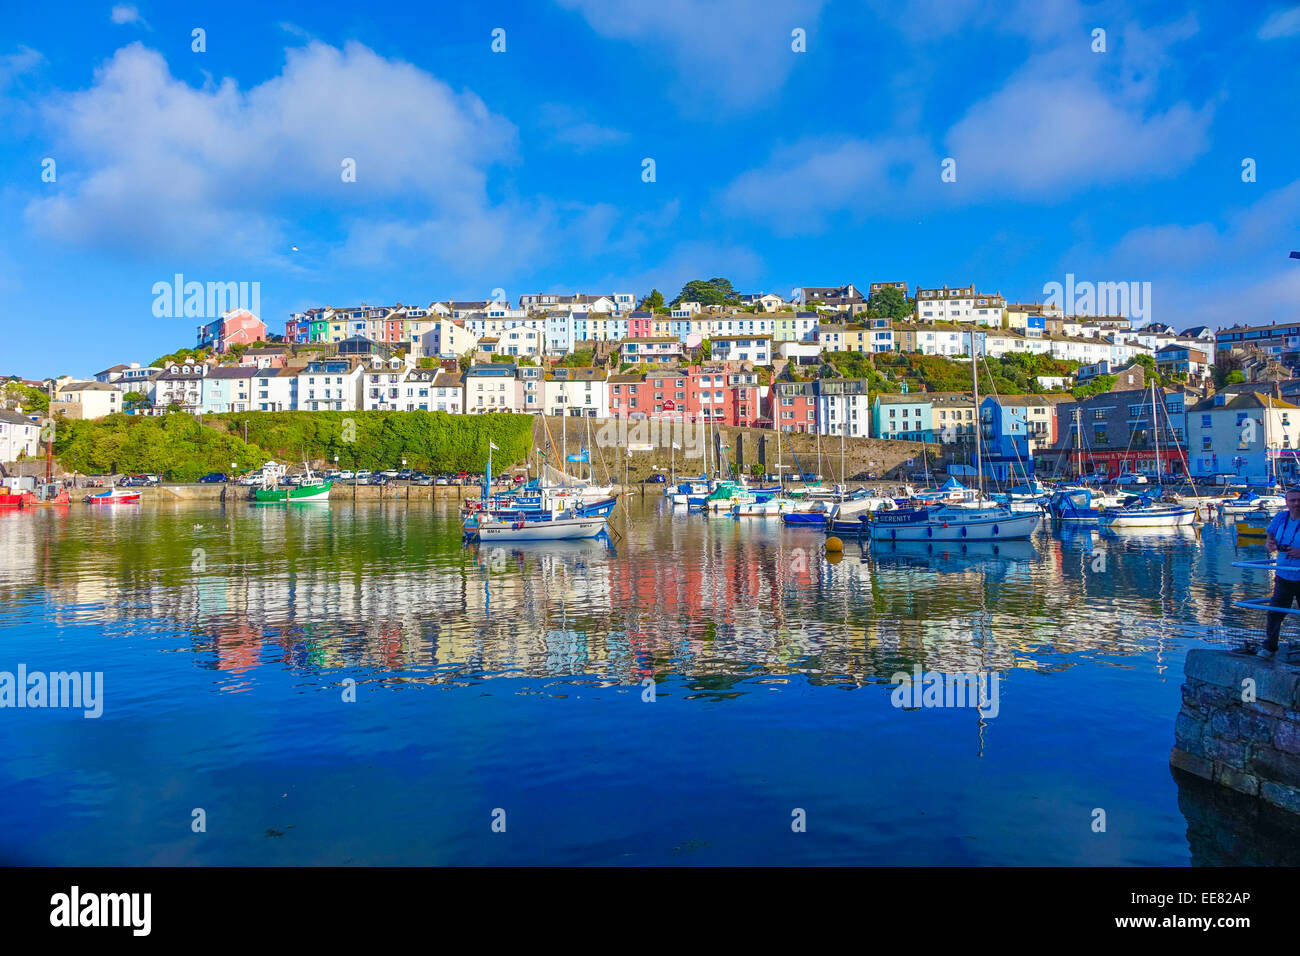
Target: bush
(181,447)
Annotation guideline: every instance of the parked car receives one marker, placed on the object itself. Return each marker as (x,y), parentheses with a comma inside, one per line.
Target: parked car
(424,480)
(214,478)
(519,479)
(656,479)
(391,473)
(363,474)
(1130,479)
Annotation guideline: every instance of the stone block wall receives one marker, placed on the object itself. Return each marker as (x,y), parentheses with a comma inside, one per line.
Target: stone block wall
(1240,725)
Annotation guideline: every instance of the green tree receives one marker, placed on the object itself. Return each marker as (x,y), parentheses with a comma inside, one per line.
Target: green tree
(889,303)
(1235,377)
(135,400)
(654,301)
(715,291)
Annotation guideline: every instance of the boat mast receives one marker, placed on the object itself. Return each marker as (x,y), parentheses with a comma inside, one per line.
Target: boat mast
(979,420)
(1155,433)
(844,427)
(564,432)
(777,425)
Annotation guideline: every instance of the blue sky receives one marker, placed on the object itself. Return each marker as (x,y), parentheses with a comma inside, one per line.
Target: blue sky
(522,170)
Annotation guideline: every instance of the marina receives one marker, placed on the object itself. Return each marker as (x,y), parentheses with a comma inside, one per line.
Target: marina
(503,670)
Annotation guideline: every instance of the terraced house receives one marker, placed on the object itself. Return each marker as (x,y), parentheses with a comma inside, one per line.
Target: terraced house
(843,407)
(1113,433)
(793,406)
(961,305)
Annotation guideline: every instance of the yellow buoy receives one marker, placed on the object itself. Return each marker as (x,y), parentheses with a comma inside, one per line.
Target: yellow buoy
(834,544)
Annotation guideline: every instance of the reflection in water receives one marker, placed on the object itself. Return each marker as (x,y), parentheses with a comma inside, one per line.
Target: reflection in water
(269,603)
(1226,828)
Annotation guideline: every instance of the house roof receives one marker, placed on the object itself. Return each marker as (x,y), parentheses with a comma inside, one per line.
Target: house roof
(1244,400)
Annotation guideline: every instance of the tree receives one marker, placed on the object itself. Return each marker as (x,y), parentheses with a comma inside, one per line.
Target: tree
(654,301)
(135,400)
(706,350)
(1235,377)
(715,291)
(889,303)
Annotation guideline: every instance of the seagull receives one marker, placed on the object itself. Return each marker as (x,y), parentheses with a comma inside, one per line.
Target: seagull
(295,248)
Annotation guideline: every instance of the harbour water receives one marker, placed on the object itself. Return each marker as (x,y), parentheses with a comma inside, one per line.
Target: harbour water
(698,690)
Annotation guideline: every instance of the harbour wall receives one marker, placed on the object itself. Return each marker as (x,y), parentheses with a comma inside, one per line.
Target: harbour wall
(887,458)
(1239,726)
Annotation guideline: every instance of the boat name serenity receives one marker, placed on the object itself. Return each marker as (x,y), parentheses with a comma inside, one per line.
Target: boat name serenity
(922,689)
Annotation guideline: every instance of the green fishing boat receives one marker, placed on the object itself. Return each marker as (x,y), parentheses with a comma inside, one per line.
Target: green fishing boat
(311,488)
(318,490)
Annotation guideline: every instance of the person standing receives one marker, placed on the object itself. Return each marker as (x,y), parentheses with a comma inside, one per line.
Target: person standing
(1284,540)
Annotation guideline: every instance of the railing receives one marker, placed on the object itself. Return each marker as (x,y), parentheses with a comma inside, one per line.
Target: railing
(1261,604)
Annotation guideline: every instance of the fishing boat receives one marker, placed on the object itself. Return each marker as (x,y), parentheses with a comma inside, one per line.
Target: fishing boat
(12,499)
(554,529)
(1143,511)
(312,487)
(51,494)
(1075,506)
(114,496)
(1252,530)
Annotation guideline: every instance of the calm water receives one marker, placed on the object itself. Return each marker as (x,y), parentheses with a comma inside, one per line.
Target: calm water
(228,639)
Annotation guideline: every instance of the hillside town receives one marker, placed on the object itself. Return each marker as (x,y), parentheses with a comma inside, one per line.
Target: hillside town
(750,360)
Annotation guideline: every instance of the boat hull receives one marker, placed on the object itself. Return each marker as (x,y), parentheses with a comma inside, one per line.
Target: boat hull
(927,525)
(559,529)
(114,498)
(1164,518)
(282,495)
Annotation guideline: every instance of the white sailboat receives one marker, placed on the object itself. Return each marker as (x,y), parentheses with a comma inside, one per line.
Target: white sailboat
(1144,511)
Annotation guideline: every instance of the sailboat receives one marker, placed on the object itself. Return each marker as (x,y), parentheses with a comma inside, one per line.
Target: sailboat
(1144,511)
(971,520)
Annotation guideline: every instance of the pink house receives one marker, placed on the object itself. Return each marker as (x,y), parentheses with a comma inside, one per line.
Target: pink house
(640,325)
(238,326)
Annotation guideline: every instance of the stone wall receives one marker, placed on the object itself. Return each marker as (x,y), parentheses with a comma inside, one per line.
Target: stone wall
(1240,725)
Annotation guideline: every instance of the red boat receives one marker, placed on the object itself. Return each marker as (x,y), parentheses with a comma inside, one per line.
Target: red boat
(115,496)
(9,498)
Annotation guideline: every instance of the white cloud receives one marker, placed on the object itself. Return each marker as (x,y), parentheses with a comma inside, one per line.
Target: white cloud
(803,184)
(1043,135)
(13,65)
(1208,274)
(124,13)
(1283,23)
(570,127)
(735,50)
(154,163)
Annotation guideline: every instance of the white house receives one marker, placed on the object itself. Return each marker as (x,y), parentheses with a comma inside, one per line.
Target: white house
(742,348)
(19,436)
(330,385)
(576,391)
(959,305)
(275,390)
